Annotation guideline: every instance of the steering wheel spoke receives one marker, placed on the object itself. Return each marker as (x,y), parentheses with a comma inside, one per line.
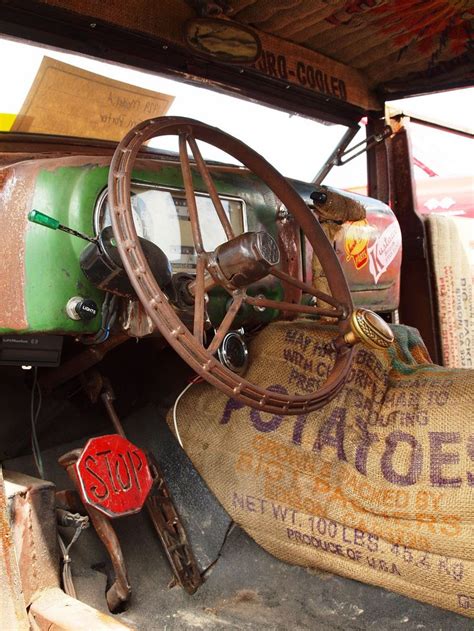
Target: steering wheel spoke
(226,322)
(308,289)
(267,303)
(189,190)
(211,188)
(199,299)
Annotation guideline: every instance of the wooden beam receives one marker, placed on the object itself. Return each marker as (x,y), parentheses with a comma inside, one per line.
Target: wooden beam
(296,65)
(417,305)
(281,60)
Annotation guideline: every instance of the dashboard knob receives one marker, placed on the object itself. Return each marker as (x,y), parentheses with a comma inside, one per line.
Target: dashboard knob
(369,328)
(79,308)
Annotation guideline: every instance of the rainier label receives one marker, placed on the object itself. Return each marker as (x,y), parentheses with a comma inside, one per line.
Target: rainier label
(384,250)
(355,243)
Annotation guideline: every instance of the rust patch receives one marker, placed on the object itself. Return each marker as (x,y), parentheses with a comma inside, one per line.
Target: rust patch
(3,179)
(246,596)
(33,527)
(16,194)
(17,185)
(135,320)
(243,598)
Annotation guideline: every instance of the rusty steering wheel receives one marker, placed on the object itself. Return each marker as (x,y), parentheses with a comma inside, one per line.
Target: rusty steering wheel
(255,253)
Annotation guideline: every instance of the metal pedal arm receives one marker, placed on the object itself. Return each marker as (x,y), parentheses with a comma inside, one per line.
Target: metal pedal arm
(120,591)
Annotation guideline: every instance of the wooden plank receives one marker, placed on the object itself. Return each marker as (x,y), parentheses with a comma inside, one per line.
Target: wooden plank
(12,604)
(296,65)
(53,610)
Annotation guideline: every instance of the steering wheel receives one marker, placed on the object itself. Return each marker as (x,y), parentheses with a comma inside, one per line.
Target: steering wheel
(234,265)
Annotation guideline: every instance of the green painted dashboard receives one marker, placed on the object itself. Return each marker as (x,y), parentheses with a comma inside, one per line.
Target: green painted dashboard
(42,270)
(68,190)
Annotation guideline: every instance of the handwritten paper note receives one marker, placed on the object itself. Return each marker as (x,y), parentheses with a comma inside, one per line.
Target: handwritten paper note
(70,101)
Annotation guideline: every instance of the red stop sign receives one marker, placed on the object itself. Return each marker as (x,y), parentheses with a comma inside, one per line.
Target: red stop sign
(114,475)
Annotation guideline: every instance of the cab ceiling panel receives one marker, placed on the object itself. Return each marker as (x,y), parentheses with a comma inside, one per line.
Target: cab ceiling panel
(401,46)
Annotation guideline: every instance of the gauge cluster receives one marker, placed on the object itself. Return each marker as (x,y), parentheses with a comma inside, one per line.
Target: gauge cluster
(161,216)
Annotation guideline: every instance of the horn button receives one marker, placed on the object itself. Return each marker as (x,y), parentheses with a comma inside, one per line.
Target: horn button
(244,260)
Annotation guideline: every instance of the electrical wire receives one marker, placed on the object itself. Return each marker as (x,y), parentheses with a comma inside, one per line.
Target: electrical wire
(34,414)
(35,408)
(68,584)
(109,316)
(83,522)
(175,407)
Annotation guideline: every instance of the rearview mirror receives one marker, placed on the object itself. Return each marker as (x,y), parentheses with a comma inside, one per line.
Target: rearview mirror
(222,39)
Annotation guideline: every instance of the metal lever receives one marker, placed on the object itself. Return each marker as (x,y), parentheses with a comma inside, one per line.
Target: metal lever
(35,216)
(119,592)
(365,145)
(160,506)
(162,512)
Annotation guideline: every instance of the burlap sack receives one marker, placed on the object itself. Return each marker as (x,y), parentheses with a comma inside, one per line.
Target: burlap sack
(378,485)
(454,292)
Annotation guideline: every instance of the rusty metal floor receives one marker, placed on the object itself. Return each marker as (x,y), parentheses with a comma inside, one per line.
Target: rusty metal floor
(245,587)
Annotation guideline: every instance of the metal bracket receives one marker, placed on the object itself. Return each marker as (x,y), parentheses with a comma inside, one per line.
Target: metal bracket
(341,155)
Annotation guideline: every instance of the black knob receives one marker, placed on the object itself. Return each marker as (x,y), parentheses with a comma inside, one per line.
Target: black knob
(86,309)
(319,197)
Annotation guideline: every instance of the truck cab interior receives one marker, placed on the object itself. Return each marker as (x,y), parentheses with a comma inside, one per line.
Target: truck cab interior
(232,399)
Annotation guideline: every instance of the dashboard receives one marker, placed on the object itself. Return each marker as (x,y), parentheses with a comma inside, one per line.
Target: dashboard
(43,271)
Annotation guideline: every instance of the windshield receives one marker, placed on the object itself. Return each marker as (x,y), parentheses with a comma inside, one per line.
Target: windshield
(295,145)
